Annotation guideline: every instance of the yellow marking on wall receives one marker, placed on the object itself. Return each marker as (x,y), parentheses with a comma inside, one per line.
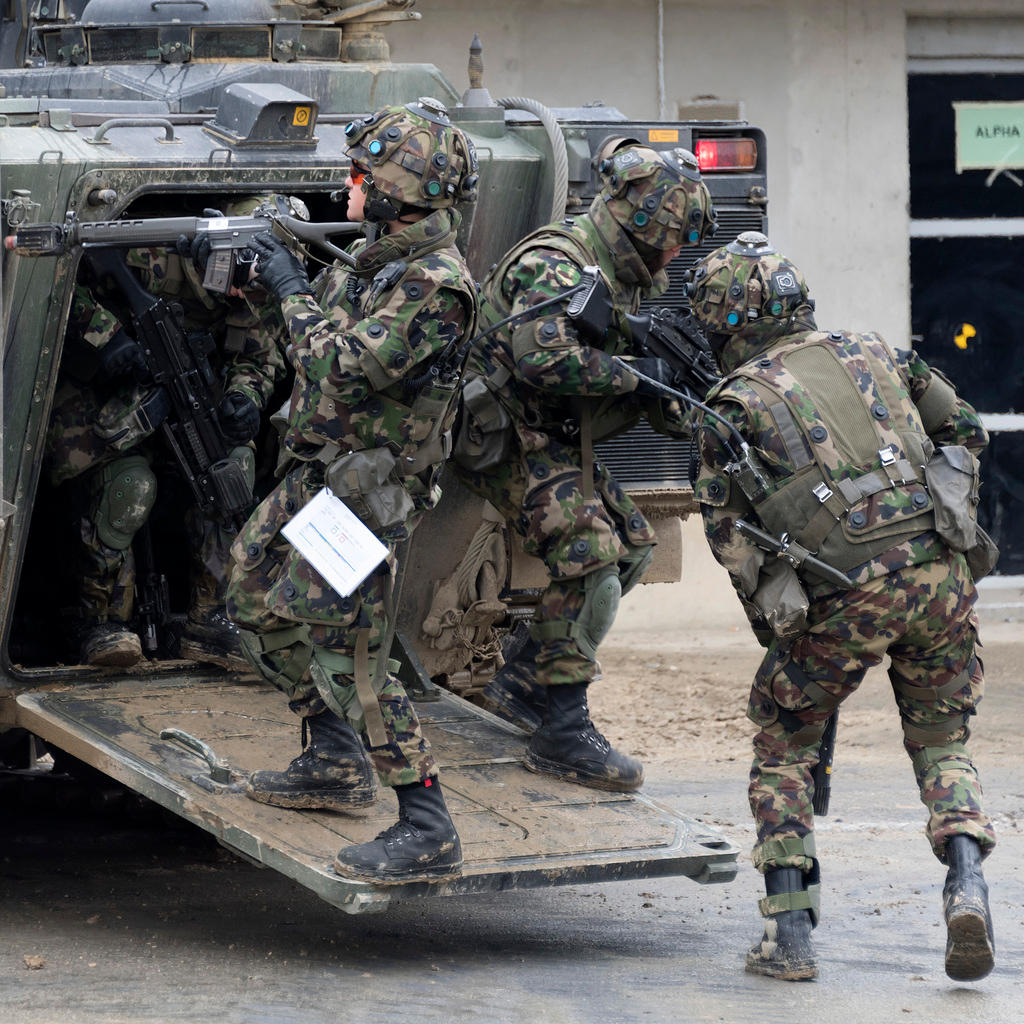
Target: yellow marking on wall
(663,135)
(301,116)
(967,331)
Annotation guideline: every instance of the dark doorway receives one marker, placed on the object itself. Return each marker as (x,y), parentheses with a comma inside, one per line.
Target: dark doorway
(967,284)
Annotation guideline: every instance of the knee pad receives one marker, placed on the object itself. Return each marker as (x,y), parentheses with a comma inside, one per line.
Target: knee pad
(127,496)
(602,592)
(633,566)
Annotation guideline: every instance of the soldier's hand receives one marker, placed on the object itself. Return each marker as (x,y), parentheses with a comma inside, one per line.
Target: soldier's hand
(196,249)
(239,417)
(658,370)
(278,270)
(123,355)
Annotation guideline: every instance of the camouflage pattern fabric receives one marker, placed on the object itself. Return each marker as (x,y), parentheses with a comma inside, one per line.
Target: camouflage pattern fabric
(913,601)
(357,346)
(922,617)
(548,376)
(250,340)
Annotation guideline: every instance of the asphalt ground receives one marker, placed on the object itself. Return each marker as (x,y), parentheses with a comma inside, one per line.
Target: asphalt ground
(114,913)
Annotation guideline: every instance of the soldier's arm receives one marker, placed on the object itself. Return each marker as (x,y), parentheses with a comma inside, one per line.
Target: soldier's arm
(948,419)
(722,503)
(353,357)
(255,340)
(550,354)
(96,324)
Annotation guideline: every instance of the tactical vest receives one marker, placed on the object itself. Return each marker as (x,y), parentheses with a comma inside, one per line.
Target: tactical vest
(421,423)
(580,243)
(853,440)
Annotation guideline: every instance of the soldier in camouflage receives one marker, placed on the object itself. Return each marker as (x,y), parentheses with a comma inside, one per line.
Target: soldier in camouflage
(96,440)
(539,391)
(364,343)
(851,449)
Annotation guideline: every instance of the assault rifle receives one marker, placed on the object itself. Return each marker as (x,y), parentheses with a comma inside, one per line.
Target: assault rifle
(229,237)
(671,335)
(178,364)
(822,771)
(675,336)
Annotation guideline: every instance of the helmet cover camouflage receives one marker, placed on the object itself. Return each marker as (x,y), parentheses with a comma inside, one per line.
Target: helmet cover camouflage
(658,197)
(415,155)
(744,284)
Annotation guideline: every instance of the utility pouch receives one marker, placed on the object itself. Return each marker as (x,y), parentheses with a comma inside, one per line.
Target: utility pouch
(982,557)
(781,599)
(485,431)
(951,475)
(367,482)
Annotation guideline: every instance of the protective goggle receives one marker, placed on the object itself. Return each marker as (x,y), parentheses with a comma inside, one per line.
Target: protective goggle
(358,173)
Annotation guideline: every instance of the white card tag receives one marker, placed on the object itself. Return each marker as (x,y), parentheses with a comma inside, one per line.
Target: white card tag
(332,538)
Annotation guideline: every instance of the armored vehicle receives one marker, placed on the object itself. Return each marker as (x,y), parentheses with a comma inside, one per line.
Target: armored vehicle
(117,110)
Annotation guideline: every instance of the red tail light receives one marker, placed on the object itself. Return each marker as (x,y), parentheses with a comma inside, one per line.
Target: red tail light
(727,154)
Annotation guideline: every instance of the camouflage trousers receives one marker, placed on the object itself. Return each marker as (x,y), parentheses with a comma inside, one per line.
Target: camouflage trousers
(305,630)
(541,493)
(923,617)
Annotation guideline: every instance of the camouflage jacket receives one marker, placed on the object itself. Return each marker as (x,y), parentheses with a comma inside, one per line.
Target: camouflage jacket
(364,343)
(543,370)
(903,399)
(249,337)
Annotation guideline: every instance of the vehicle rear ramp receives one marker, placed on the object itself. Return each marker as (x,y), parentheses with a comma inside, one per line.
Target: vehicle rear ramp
(519,830)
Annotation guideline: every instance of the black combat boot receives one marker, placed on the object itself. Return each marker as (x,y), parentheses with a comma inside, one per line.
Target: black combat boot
(970,947)
(211,638)
(333,773)
(567,745)
(785,949)
(514,693)
(422,846)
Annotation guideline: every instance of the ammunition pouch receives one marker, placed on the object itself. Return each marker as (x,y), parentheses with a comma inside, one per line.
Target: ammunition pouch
(485,430)
(125,421)
(951,475)
(781,599)
(982,558)
(368,482)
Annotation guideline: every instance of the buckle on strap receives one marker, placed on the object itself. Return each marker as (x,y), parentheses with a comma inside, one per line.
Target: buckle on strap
(887,456)
(822,492)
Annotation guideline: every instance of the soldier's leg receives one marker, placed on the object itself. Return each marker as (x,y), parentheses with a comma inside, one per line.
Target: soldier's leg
(210,636)
(513,692)
(333,770)
(797,687)
(423,844)
(938,681)
(122,495)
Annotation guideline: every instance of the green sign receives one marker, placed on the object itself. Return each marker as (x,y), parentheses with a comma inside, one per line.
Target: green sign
(989,135)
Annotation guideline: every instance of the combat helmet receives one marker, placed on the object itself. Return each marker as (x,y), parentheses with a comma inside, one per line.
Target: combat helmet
(412,156)
(747,288)
(656,197)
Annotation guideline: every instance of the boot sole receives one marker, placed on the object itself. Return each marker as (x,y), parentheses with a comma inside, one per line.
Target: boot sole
(799,970)
(339,800)
(969,953)
(446,873)
(542,766)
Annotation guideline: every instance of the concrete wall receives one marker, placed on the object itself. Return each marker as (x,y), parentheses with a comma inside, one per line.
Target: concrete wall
(826,79)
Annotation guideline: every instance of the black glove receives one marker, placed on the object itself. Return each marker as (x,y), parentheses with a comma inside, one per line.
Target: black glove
(239,417)
(657,369)
(278,270)
(122,355)
(195,249)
